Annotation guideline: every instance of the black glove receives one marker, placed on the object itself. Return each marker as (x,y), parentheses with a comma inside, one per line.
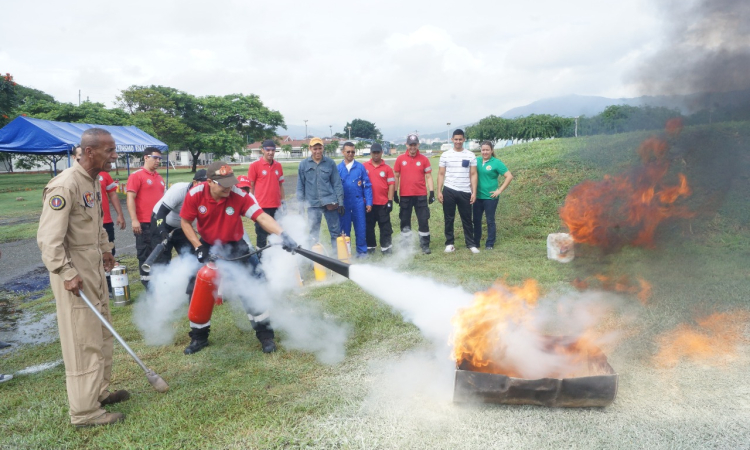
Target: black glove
(395,197)
(161,229)
(202,253)
(341,210)
(431,200)
(287,243)
(389,206)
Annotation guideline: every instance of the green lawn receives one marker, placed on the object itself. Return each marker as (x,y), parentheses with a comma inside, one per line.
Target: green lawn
(388,394)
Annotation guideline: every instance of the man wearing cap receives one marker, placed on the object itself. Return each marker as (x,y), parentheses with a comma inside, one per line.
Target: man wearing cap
(383,186)
(357,197)
(413,174)
(145,188)
(218,206)
(165,219)
(319,189)
(76,251)
(266,177)
(457,187)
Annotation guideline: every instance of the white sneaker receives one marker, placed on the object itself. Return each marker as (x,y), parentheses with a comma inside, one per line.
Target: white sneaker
(450,249)
(474,250)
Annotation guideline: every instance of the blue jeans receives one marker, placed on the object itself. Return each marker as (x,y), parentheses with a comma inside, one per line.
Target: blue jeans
(487,207)
(314,218)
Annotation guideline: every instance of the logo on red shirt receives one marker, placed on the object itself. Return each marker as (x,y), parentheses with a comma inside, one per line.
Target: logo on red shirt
(382,173)
(403,163)
(149,181)
(419,163)
(202,209)
(264,172)
(229,210)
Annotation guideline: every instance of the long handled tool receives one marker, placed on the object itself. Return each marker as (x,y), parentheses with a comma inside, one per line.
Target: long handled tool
(156,381)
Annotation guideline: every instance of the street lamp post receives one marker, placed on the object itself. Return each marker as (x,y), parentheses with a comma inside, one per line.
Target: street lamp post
(305,128)
(331,127)
(449,131)
(350,132)
(576,130)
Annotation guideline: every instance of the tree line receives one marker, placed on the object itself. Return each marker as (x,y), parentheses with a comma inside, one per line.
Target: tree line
(221,125)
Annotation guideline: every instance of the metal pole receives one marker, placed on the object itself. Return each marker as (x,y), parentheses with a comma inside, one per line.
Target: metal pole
(306,129)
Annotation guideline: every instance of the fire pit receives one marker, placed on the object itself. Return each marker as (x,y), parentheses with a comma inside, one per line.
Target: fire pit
(595,384)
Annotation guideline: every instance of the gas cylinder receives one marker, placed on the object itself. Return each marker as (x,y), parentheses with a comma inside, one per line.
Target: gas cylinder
(321,273)
(344,248)
(120,286)
(204,294)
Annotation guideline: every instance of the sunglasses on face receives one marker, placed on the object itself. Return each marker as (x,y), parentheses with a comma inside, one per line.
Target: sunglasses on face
(349,153)
(154,157)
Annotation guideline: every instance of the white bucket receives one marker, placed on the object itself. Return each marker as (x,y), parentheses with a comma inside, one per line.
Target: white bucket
(560,247)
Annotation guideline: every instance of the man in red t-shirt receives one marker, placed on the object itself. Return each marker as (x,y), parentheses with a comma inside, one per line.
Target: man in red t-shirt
(383,187)
(218,206)
(413,171)
(266,177)
(145,188)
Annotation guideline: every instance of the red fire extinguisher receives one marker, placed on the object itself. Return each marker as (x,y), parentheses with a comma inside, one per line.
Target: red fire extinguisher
(204,294)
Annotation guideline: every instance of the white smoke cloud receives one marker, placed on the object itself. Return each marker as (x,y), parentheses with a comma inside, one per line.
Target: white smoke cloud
(165,301)
(306,328)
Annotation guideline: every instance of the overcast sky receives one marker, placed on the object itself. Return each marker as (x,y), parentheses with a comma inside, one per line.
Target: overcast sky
(403,65)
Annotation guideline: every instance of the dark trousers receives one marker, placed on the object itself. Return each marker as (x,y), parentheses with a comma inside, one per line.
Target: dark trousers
(178,242)
(258,319)
(260,232)
(143,250)
(378,215)
(488,208)
(451,200)
(110,229)
(419,204)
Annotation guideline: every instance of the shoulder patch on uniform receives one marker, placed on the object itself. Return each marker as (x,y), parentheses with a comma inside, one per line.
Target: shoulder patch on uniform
(57,202)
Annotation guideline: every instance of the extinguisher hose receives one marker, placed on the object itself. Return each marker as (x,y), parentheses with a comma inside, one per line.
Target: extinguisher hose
(214,257)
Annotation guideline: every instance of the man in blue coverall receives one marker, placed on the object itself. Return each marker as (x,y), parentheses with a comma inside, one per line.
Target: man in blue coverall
(357,197)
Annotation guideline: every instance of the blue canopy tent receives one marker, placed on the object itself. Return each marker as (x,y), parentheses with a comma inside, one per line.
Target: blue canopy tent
(45,137)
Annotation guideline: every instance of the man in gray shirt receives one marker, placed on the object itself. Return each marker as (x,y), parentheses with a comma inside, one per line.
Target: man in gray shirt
(319,190)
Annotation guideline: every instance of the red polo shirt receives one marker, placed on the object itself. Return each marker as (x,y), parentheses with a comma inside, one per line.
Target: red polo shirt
(149,189)
(412,172)
(108,185)
(219,220)
(267,179)
(380,177)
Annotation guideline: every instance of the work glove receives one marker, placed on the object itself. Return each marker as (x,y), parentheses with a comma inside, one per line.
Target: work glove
(431,200)
(161,229)
(287,243)
(389,206)
(202,253)
(395,197)
(341,210)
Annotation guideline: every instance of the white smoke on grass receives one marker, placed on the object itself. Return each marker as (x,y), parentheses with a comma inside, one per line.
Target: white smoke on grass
(165,301)
(523,343)
(305,327)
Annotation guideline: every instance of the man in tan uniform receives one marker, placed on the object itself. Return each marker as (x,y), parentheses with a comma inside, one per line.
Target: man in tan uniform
(76,251)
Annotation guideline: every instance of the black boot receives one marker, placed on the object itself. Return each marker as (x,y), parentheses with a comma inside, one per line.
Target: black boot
(198,341)
(370,250)
(424,242)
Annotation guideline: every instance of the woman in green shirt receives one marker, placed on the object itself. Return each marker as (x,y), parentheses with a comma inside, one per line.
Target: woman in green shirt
(489,170)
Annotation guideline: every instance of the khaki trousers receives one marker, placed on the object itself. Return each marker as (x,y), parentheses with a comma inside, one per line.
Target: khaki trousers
(86,343)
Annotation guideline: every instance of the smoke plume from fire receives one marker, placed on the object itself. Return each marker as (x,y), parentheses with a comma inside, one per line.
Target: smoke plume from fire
(627,209)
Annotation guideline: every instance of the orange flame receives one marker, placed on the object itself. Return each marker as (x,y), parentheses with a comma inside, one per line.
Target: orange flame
(642,290)
(627,208)
(714,339)
(482,333)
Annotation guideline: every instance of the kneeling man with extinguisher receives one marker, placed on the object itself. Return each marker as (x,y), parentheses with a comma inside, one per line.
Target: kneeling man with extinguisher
(218,206)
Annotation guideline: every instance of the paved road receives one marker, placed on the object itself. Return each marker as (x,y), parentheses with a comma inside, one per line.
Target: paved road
(21,258)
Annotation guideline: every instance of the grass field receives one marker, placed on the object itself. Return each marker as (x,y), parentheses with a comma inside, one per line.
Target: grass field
(391,391)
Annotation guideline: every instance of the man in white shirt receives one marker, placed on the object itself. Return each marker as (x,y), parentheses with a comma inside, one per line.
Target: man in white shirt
(457,187)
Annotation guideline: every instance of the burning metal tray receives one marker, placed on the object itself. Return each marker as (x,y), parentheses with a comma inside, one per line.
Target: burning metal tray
(584,391)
